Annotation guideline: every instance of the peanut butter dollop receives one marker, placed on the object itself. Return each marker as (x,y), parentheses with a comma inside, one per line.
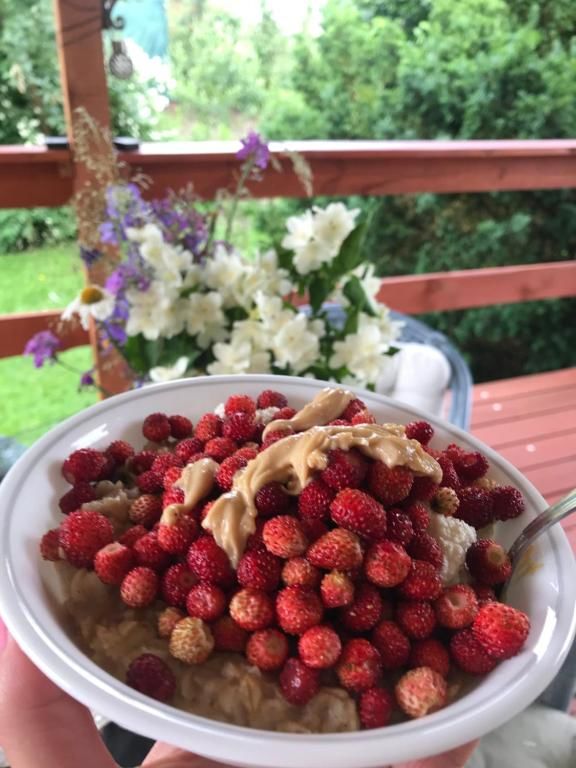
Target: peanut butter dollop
(196,481)
(324,408)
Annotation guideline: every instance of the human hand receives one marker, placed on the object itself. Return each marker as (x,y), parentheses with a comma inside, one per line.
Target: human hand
(40,724)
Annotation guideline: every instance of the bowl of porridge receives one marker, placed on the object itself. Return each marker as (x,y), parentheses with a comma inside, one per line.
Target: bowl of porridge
(273,571)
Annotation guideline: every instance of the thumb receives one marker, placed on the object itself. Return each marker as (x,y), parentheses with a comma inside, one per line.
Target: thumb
(39,723)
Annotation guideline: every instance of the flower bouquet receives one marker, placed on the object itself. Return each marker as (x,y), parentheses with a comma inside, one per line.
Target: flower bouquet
(178,299)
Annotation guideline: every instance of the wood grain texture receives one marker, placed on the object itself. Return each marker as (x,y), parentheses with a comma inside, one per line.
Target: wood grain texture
(16,330)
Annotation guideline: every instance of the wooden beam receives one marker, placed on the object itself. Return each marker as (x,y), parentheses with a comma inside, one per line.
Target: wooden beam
(17,329)
(34,176)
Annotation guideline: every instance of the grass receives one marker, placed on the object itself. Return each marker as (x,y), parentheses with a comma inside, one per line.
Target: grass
(32,401)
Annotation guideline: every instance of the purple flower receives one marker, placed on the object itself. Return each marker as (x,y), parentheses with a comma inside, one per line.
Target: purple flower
(114,328)
(89,255)
(124,208)
(125,276)
(181,223)
(255,149)
(87,379)
(108,233)
(42,346)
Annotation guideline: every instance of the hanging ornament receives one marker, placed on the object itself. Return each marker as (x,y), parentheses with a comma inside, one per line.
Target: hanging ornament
(120,63)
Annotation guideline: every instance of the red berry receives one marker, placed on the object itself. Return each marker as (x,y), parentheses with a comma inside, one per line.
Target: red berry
(484,594)
(285,414)
(345,469)
(239,426)
(187,448)
(386,564)
(337,590)
(113,562)
(168,619)
(418,514)
(476,507)
(259,570)
(209,562)
(145,510)
(228,468)
(421,431)
(119,451)
(180,427)
(319,647)
(416,619)
(375,708)
(469,655)
(79,494)
(283,536)
(507,502)
(392,643)
(252,609)
(209,426)
(229,636)
(425,547)
(272,499)
(206,601)
(365,611)
(456,607)
(152,677)
(471,466)
(219,448)
(421,691)
(389,485)
(298,609)
(50,545)
(139,587)
(149,552)
(313,529)
(297,571)
(354,406)
(430,653)
(450,477)
(298,683)
(83,465)
(177,581)
(339,549)
(360,513)
(239,404)
(150,482)
(156,427)
(141,461)
(271,399)
(267,649)
(399,526)
(314,501)
(171,476)
(488,562)
(175,538)
(165,461)
(422,583)
(501,630)
(82,534)
(363,417)
(131,536)
(359,666)
(423,489)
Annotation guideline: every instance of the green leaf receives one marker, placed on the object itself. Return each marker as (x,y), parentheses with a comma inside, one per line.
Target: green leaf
(356,295)
(351,253)
(135,353)
(318,290)
(285,259)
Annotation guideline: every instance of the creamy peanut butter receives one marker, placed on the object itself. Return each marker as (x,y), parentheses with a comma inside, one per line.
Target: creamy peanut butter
(293,460)
(324,408)
(196,481)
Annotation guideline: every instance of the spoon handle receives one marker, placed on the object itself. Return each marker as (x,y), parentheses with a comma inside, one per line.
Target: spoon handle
(545,519)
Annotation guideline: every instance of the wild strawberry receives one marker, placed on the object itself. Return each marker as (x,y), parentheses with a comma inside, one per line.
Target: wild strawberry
(359,666)
(297,571)
(120,452)
(167,620)
(149,552)
(476,507)
(271,399)
(486,483)
(298,683)
(469,655)
(421,431)
(339,549)
(337,590)
(176,538)
(254,542)
(425,547)
(248,452)
(319,647)
(151,676)
(456,607)
(188,447)
(156,427)
(445,502)
(145,510)
(392,644)
(418,514)
(399,526)
(209,426)
(228,468)
(298,609)
(273,437)
(239,404)
(131,536)
(191,641)
(471,466)
(180,427)
(271,500)
(430,653)
(450,477)
(139,587)
(285,414)
(501,630)
(82,534)
(196,457)
(50,545)
(252,609)
(141,461)
(283,536)
(229,636)
(164,461)
(345,469)
(422,583)
(219,448)
(359,513)
(423,489)
(150,482)
(339,423)
(488,562)
(386,564)
(314,501)
(354,406)
(375,708)
(206,601)
(239,426)
(177,581)
(83,465)
(363,417)
(113,562)
(389,485)
(171,476)
(79,494)
(365,610)
(421,691)
(259,570)
(267,649)
(209,562)
(313,529)
(416,619)
(483,594)
(507,502)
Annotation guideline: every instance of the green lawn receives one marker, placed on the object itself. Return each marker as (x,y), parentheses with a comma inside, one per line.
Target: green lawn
(32,401)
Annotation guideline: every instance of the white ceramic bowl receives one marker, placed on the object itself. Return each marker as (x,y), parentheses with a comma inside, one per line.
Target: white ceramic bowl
(29,598)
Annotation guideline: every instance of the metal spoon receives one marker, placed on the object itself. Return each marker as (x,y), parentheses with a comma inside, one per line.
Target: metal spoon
(545,519)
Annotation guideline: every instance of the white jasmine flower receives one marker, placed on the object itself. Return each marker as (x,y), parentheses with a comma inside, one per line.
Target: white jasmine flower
(265,275)
(238,358)
(204,317)
(151,311)
(272,312)
(311,256)
(300,231)
(92,301)
(364,352)
(224,273)
(295,345)
(333,224)
(169,372)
